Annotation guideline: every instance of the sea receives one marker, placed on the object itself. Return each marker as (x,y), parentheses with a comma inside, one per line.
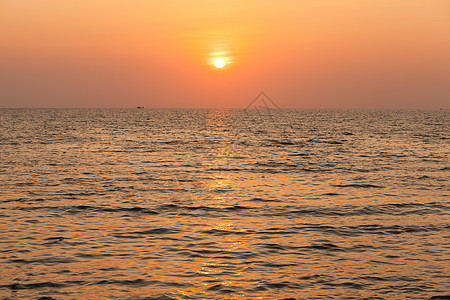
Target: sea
(224,204)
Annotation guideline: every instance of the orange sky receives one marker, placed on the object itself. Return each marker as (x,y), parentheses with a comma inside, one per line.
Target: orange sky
(305,54)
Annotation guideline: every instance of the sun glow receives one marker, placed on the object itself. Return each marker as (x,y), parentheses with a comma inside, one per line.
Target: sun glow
(219,62)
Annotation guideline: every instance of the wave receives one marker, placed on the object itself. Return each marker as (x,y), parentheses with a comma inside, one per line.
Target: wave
(360,185)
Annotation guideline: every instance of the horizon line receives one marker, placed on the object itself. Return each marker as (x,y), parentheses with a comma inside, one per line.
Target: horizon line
(231,108)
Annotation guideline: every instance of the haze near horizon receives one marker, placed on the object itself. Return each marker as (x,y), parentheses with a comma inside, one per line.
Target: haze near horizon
(221,54)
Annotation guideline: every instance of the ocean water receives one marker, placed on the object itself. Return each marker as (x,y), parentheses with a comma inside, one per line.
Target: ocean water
(224,204)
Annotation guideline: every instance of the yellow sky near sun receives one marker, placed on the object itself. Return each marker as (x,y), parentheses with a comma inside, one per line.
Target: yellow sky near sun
(159,52)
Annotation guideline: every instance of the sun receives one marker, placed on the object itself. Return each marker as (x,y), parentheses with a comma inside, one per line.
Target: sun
(219,62)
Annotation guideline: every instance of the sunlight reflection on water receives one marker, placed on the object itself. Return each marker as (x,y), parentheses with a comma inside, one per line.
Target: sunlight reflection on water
(224,204)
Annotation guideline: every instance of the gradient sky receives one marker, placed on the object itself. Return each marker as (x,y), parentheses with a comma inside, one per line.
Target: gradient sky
(303,53)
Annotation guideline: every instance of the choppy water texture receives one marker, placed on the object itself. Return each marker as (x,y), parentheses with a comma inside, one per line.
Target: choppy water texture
(224,204)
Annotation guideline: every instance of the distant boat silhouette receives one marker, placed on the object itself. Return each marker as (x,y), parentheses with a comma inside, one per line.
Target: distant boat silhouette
(140,107)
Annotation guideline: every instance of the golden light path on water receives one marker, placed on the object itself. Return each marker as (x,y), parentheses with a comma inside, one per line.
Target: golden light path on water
(223,203)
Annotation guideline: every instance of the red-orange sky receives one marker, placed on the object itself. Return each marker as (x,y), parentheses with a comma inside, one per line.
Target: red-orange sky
(303,53)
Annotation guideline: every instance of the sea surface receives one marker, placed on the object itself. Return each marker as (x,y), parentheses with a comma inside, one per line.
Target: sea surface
(224,204)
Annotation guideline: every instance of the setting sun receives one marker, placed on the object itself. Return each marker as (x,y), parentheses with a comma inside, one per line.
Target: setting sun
(214,149)
(219,62)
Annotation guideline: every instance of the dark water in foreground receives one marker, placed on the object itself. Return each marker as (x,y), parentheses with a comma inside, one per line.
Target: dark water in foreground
(217,204)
